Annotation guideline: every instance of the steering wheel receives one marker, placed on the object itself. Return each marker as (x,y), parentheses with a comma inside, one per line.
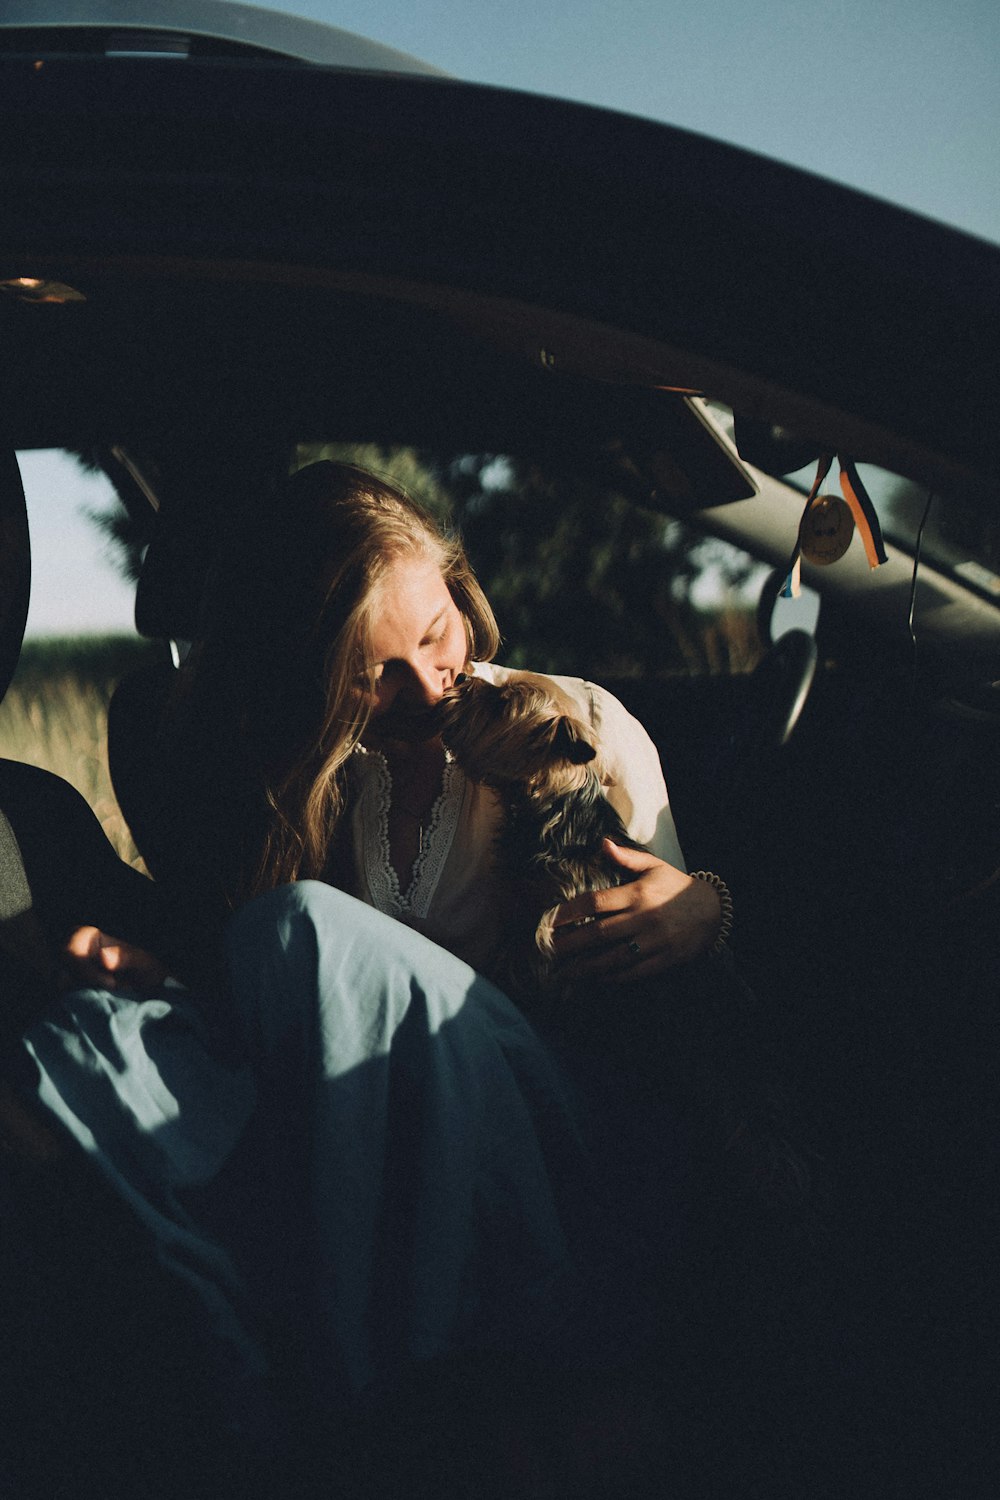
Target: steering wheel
(777,691)
(779,687)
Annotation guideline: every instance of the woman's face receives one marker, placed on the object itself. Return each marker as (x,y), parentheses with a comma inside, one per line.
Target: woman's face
(417,647)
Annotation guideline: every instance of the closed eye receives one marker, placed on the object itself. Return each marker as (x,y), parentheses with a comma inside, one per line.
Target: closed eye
(436,631)
(434,635)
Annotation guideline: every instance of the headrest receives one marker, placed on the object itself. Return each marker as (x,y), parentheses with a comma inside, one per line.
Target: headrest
(168,596)
(15,566)
(199,487)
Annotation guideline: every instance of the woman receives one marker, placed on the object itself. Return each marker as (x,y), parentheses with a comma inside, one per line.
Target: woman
(306,729)
(369,1152)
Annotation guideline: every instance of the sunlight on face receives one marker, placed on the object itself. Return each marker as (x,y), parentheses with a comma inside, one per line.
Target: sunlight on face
(418,645)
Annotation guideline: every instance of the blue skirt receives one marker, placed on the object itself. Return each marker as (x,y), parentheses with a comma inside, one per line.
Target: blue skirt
(364,1154)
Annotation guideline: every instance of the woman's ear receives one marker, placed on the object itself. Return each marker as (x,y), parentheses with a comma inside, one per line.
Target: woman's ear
(569,742)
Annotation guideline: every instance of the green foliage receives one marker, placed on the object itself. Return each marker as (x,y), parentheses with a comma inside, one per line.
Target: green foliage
(585,581)
(97,660)
(401,466)
(127,531)
(582,580)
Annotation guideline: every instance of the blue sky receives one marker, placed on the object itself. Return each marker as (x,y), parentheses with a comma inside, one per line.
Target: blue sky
(900,99)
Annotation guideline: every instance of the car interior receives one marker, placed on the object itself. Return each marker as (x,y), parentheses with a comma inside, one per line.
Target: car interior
(588,434)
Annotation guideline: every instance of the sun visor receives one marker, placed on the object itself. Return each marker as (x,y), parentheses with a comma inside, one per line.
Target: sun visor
(664,450)
(771,447)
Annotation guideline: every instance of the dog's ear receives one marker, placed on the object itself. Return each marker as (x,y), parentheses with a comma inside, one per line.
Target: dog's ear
(569,742)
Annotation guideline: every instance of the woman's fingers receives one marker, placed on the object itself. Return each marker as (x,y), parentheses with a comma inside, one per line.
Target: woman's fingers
(658,918)
(95,958)
(83,942)
(82,959)
(622,947)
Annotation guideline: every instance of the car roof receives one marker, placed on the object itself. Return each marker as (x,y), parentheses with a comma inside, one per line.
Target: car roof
(122,27)
(229,240)
(181,196)
(245,243)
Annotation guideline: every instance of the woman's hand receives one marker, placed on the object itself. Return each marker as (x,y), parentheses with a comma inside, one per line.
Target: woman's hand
(659,918)
(93,959)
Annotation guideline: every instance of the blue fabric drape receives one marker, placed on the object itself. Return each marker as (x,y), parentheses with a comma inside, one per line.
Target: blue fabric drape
(372,1163)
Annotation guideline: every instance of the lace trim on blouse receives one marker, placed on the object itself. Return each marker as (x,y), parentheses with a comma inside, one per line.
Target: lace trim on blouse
(439,834)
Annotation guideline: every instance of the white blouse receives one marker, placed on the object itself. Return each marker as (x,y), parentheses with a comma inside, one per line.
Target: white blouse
(453,896)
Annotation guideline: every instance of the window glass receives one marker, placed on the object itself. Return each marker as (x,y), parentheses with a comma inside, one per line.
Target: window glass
(80,635)
(77,581)
(583,580)
(801,613)
(958,536)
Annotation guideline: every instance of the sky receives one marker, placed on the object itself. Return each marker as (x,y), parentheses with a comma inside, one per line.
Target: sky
(900,99)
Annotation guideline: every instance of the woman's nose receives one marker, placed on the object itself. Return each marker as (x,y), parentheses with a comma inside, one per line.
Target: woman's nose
(425,686)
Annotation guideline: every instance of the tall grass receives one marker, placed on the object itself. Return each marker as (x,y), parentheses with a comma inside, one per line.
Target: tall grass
(55,715)
(717,643)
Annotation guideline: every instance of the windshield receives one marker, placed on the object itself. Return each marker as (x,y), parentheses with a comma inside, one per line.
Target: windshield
(958,537)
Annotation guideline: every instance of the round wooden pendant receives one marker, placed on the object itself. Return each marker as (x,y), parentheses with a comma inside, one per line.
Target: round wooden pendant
(826,531)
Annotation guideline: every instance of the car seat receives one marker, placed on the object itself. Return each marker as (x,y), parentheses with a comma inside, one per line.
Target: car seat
(99,1369)
(168,606)
(203,493)
(26,961)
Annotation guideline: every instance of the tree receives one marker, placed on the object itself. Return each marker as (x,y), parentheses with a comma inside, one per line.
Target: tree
(582,579)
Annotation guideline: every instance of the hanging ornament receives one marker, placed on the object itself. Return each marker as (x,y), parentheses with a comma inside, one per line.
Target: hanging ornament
(814,525)
(826,530)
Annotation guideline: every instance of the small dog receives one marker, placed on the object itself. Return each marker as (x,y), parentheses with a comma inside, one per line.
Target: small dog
(524,739)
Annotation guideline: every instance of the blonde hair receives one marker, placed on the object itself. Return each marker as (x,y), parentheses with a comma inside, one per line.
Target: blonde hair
(270,709)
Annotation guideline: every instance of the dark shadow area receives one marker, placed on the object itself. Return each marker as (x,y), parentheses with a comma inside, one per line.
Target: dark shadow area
(683,1363)
(863,859)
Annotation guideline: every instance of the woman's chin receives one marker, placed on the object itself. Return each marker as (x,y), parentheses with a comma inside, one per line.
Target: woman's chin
(410,729)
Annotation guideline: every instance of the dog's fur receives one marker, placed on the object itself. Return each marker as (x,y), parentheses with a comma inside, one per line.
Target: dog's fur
(524,739)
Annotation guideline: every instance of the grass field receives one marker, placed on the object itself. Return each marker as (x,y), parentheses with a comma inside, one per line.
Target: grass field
(55,716)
